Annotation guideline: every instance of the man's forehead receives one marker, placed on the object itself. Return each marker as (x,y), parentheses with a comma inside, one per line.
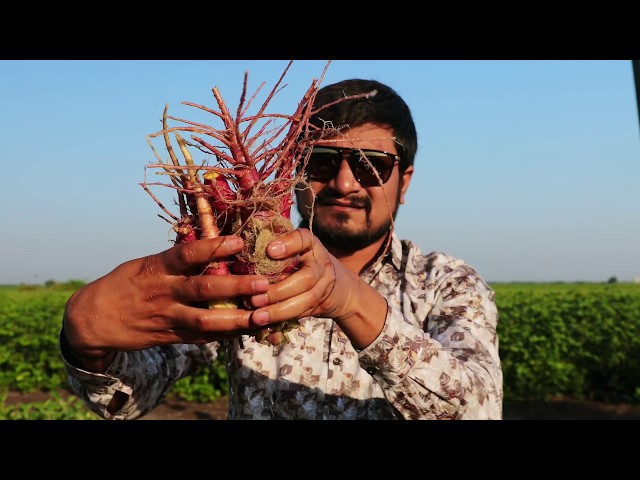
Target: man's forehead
(367,134)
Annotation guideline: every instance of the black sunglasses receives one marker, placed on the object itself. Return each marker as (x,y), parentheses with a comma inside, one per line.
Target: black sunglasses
(323,164)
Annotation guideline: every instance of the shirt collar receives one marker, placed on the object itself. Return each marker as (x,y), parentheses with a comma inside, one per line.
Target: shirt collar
(393,255)
(396,251)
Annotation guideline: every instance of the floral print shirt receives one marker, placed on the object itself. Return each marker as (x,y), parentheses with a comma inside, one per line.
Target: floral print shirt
(435,358)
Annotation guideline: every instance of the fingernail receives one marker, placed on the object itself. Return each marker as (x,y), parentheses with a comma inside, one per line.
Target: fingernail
(261,318)
(260,300)
(233,243)
(276,249)
(260,285)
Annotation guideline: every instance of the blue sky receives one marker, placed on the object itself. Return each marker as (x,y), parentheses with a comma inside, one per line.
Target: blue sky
(528,170)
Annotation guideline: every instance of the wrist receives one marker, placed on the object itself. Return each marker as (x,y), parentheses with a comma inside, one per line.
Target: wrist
(96,363)
(367,316)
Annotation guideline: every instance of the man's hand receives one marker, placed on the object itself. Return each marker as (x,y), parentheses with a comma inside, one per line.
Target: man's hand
(322,287)
(153,300)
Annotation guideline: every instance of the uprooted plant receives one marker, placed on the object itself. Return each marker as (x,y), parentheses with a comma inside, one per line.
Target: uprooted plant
(248,189)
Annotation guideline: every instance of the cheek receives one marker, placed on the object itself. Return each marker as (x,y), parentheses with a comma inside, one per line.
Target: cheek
(384,203)
(304,199)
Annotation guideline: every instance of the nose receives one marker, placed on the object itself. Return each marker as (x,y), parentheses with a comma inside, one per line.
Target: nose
(345,182)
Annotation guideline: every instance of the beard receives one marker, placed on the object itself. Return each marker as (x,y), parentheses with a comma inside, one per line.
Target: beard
(340,235)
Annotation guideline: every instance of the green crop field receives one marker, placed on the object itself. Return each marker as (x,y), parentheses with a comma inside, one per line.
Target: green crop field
(577,340)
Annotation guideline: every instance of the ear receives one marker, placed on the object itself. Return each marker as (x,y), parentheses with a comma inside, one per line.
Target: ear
(405,181)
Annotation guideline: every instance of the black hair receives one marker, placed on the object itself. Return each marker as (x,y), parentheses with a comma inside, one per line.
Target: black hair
(385,108)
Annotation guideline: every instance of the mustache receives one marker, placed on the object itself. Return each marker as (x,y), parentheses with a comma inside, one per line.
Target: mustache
(327,196)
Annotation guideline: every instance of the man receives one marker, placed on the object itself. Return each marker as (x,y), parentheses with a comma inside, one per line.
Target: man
(385,331)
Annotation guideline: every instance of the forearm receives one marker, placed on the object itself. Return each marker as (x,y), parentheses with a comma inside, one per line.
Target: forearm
(366,315)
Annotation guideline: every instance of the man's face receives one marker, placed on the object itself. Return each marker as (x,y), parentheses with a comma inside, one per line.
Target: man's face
(346,215)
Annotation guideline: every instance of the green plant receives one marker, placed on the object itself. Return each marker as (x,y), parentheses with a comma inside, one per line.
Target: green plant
(207,385)
(56,407)
(574,340)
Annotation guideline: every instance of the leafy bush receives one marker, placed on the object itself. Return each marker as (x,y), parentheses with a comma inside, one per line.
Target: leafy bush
(580,341)
(30,322)
(30,359)
(56,407)
(207,385)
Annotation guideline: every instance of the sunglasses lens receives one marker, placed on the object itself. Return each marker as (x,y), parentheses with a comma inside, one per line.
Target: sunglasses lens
(323,163)
(364,168)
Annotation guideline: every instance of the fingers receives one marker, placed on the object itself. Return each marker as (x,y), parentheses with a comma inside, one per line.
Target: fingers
(198,325)
(173,314)
(181,259)
(295,307)
(315,274)
(207,287)
(306,291)
(313,282)
(296,242)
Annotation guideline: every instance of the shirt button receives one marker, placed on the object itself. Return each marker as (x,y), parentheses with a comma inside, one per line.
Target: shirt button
(337,361)
(372,371)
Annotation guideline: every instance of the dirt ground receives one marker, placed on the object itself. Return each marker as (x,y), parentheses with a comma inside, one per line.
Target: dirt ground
(556,410)
(560,409)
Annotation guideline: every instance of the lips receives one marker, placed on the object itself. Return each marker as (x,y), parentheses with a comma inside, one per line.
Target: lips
(334,202)
(342,204)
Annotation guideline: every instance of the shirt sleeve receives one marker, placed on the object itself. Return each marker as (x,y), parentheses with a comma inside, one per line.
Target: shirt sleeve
(446,365)
(144,377)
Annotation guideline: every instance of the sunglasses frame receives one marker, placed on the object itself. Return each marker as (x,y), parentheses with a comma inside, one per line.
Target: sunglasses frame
(357,159)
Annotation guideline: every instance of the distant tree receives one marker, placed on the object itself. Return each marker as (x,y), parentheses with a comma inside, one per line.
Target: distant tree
(74,284)
(612,280)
